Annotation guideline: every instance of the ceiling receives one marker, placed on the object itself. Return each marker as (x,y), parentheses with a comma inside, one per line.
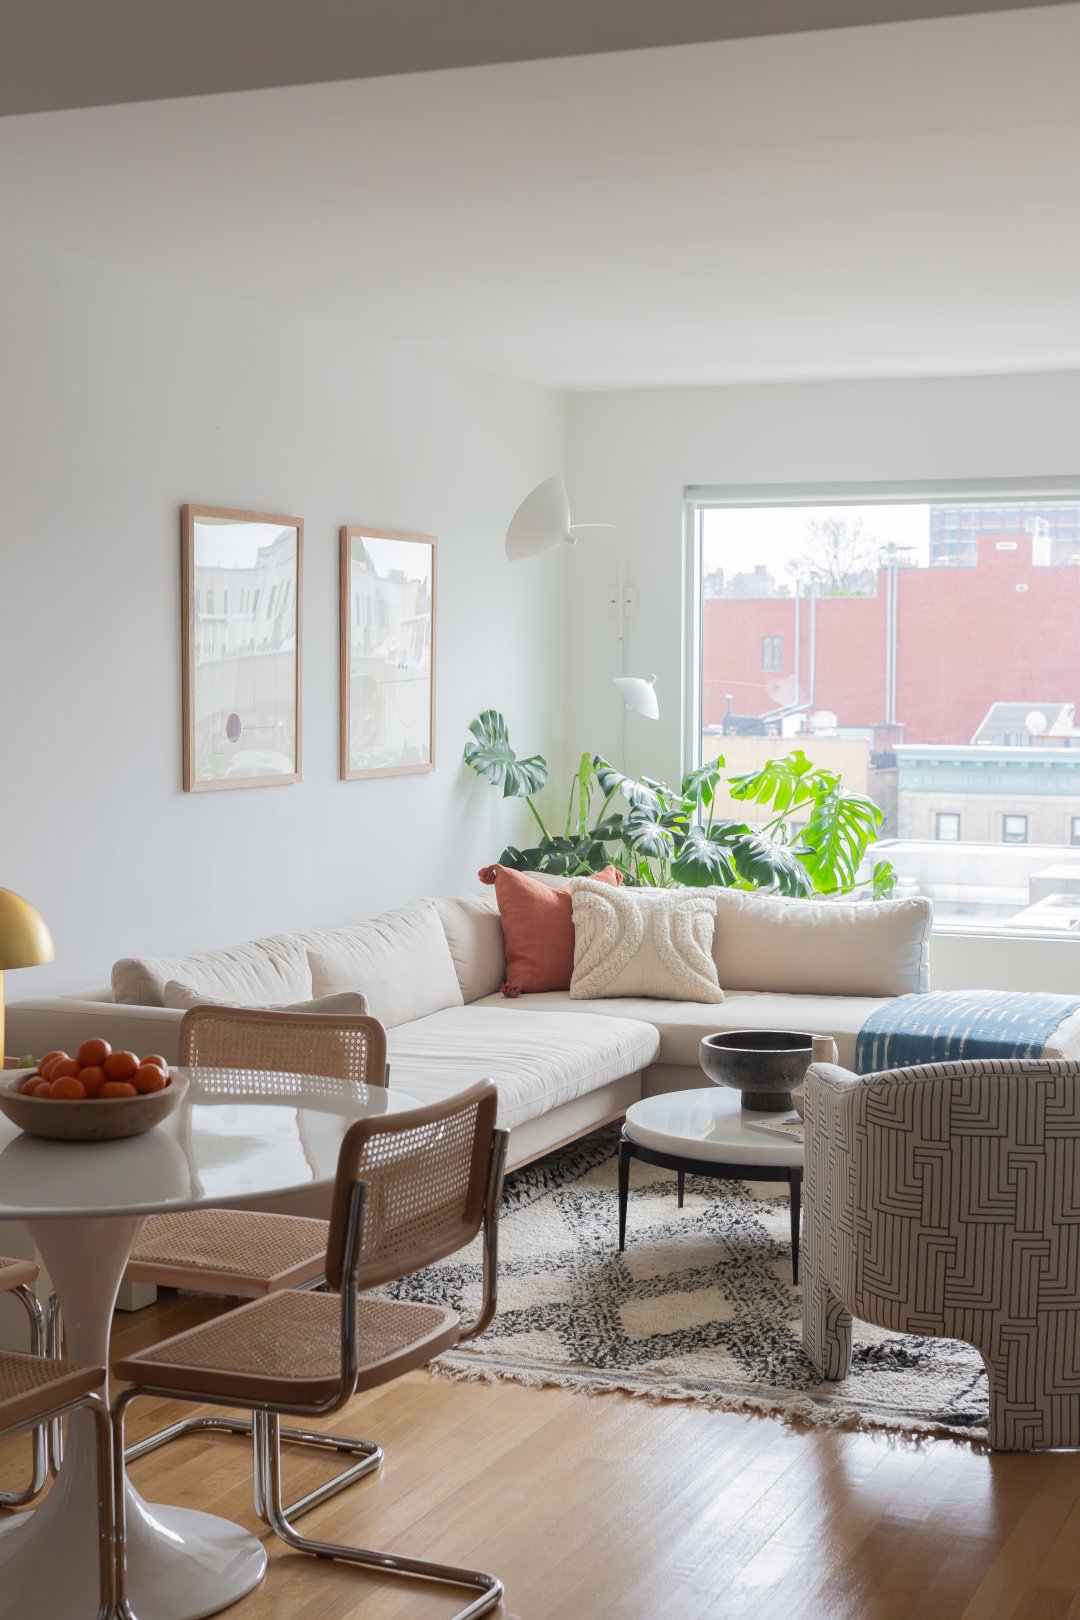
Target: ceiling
(883,201)
(69,53)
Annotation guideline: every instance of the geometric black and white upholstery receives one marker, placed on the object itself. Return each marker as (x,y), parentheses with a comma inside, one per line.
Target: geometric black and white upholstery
(945,1200)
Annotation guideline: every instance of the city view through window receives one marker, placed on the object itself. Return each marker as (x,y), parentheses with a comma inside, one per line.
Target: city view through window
(930,654)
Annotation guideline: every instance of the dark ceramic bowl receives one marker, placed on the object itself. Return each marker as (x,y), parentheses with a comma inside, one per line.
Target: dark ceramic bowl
(764,1064)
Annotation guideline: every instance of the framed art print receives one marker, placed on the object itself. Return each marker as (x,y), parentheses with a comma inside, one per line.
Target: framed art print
(242,621)
(387,653)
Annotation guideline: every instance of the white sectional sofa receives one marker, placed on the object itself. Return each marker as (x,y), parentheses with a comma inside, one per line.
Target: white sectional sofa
(432,970)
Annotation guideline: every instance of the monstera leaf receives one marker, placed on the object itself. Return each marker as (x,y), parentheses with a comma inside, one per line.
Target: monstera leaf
(705,861)
(883,879)
(699,787)
(762,863)
(644,795)
(837,836)
(564,857)
(781,783)
(490,755)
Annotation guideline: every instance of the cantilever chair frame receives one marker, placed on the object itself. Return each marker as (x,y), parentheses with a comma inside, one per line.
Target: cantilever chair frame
(40,1437)
(266,1417)
(98,1408)
(369,1453)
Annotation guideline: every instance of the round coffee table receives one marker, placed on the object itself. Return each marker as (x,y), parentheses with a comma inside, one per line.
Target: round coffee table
(707,1132)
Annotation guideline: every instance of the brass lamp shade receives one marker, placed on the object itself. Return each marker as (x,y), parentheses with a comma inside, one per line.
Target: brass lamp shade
(25,940)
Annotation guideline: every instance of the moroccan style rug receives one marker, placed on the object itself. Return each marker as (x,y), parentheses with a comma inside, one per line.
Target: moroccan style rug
(699,1307)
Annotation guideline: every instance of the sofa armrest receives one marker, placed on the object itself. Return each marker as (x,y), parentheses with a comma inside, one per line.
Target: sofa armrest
(38,1026)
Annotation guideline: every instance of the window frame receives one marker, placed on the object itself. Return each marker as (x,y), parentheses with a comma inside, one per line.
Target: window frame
(946,815)
(699,498)
(1014,815)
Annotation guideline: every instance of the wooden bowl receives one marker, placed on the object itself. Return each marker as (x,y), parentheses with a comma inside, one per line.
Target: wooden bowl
(98,1119)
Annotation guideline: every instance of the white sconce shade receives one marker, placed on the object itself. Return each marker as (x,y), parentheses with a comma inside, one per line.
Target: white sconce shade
(639,694)
(541,522)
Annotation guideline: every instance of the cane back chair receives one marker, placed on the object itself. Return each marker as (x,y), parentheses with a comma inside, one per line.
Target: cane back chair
(245,1253)
(411,1188)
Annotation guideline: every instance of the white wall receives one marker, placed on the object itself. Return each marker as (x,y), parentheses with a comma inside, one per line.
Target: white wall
(121,400)
(630,455)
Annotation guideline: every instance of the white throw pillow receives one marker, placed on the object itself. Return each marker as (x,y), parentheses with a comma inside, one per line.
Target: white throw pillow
(643,942)
(349,1002)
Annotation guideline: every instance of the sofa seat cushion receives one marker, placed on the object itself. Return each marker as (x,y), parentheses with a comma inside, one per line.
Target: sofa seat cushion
(681,1024)
(536,1062)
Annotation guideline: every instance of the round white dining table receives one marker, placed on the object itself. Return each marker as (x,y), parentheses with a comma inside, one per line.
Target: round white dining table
(84,1204)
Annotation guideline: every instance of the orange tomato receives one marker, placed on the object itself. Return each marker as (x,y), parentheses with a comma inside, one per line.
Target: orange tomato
(92,1079)
(120,1065)
(161,1062)
(93,1053)
(50,1057)
(69,1089)
(148,1077)
(117,1088)
(65,1069)
(31,1087)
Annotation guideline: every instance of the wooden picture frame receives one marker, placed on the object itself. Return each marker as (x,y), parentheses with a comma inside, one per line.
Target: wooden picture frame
(241,658)
(388,616)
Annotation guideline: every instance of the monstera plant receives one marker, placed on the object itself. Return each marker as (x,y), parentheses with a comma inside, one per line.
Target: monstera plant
(810,834)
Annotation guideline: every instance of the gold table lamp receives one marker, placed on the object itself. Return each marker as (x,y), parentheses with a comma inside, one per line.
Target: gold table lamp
(25,941)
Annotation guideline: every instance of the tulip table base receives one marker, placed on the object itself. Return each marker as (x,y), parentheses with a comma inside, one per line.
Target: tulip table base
(182,1564)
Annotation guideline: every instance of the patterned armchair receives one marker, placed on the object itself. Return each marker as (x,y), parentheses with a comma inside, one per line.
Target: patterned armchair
(945,1200)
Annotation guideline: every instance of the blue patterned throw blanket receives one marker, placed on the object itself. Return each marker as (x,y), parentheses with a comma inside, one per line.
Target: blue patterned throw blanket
(946,1025)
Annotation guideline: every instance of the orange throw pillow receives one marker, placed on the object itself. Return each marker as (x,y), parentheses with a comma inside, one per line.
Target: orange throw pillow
(538,928)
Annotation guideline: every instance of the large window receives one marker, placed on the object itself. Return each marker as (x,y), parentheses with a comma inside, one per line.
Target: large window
(924,647)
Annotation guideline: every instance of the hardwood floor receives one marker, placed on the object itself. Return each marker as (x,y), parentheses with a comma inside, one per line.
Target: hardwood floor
(607,1508)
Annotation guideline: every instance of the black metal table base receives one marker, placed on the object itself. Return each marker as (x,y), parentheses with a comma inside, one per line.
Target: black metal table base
(684,1166)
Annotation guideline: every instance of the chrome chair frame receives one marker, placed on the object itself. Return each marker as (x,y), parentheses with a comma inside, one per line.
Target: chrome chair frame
(40,1434)
(267,1430)
(106,1525)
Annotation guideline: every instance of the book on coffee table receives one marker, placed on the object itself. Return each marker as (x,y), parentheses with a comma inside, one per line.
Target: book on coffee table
(790,1125)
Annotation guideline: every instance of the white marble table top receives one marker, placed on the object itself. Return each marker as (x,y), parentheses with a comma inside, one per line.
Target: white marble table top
(220,1145)
(709,1123)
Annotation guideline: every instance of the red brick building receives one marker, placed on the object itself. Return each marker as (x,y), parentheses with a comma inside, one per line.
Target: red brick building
(925,655)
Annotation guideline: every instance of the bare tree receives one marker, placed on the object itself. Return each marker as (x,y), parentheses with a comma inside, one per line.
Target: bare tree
(842,555)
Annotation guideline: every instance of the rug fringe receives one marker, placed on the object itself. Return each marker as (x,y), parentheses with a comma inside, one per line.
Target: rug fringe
(794,1409)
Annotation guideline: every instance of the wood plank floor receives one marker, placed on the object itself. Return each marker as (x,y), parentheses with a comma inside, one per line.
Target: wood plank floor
(607,1508)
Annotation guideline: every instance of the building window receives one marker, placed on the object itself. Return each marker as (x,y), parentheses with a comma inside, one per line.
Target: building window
(841,624)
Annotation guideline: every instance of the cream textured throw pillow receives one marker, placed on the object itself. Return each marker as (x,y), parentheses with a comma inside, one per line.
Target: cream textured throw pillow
(643,942)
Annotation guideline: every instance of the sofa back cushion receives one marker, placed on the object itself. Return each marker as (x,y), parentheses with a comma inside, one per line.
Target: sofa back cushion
(822,947)
(474,934)
(400,961)
(263,973)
